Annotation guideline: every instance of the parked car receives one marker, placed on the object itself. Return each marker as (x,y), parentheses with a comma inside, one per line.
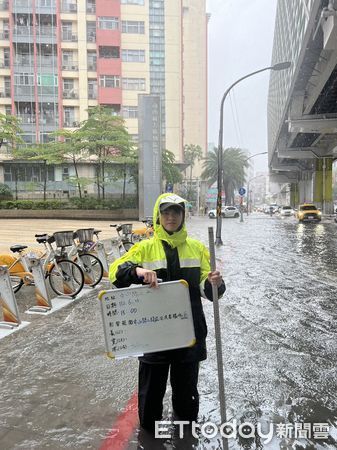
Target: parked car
(308,212)
(286,211)
(226,212)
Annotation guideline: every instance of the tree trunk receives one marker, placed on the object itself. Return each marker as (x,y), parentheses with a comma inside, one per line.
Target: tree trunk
(124,182)
(16,182)
(98,181)
(103,180)
(44,180)
(77,178)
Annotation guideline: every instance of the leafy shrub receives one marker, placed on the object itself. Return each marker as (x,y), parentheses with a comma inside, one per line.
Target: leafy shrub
(5,192)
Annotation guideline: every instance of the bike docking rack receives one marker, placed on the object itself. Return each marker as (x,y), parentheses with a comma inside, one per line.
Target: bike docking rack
(11,320)
(43,299)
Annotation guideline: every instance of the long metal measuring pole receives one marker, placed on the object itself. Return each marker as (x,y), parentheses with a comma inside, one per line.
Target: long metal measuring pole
(218,342)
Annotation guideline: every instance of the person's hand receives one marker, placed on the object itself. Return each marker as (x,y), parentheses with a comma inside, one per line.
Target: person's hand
(215,278)
(148,276)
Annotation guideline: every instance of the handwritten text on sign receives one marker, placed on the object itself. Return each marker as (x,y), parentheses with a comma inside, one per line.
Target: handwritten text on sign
(140,319)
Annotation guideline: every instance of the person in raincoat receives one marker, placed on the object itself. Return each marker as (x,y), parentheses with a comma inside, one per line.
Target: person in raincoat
(170,255)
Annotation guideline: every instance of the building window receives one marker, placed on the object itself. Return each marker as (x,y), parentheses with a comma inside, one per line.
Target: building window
(28,172)
(134,84)
(65,173)
(133,26)
(132,2)
(108,52)
(24,79)
(91,31)
(92,88)
(108,23)
(133,55)
(109,81)
(130,112)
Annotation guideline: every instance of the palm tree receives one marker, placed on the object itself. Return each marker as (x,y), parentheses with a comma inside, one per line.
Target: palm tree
(233,176)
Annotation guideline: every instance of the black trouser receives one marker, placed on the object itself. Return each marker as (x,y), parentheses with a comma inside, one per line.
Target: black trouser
(152,380)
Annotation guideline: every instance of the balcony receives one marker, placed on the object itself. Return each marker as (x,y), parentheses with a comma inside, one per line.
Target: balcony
(23,33)
(70,93)
(5,93)
(22,6)
(24,91)
(70,123)
(4,35)
(4,64)
(92,67)
(68,7)
(46,31)
(26,119)
(70,65)
(91,36)
(48,119)
(24,61)
(47,61)
(92,95)
(91,9)
(69,36)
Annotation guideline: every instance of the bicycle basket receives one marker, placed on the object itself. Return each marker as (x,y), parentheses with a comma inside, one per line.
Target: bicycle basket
(85,234)
(64,238)
(126,228)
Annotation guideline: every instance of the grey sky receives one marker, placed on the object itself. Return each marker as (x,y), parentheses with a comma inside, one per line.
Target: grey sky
(240,41)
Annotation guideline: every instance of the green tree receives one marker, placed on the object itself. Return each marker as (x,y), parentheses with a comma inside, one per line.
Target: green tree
(233,175)
(171,173)
(192,154)
(105,137)
(10,131)
(10,136)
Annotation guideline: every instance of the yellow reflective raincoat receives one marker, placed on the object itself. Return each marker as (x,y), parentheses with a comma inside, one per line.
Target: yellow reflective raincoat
(173,257)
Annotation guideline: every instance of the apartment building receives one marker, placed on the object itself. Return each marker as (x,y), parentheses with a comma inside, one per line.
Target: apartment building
(58,58)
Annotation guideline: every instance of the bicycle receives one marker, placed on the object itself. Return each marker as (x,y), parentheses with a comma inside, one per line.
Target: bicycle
(82,254)
(144,232)
(65,276)
(17,267)
(124,241)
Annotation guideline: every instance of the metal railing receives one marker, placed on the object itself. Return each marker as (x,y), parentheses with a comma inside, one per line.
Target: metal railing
(70,93)
(68,7)
(69,36)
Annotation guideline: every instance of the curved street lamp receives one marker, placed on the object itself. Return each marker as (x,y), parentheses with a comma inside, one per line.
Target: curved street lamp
(279,66)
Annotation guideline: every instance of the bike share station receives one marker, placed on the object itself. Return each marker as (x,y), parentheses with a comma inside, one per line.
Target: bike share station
(35,268)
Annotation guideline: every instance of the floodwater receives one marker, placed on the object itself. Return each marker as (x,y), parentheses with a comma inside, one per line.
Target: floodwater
(278,324)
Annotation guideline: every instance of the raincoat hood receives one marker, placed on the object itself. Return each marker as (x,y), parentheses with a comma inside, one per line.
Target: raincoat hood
(176,238)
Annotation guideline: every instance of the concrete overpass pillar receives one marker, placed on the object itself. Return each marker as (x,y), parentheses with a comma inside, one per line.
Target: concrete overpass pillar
(322,184)
(294,195)
(305,188)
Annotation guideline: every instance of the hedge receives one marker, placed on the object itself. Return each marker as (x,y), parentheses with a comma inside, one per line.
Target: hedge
(87,203)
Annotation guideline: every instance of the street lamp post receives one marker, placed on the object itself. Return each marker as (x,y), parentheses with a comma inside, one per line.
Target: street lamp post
(279,66)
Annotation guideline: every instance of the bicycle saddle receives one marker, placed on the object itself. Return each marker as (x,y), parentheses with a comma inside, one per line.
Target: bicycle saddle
(17,248)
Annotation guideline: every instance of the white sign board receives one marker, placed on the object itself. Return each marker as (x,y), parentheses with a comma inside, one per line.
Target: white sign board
(141,319)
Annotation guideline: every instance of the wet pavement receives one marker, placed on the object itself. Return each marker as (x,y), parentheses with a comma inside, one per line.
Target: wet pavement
(280,349)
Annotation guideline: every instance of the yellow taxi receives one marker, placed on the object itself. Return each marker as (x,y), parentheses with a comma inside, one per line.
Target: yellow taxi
(308,212)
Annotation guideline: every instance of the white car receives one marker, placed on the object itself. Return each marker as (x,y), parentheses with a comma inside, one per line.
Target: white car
(226,212)
(286,211)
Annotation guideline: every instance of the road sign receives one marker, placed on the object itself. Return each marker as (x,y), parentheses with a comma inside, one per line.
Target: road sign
(242,191)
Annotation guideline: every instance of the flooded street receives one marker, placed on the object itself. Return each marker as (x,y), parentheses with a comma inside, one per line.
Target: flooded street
(279,342)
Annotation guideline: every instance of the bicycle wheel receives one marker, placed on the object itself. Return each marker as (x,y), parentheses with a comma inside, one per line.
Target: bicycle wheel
(127,245)
(66,278)
(92,269)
